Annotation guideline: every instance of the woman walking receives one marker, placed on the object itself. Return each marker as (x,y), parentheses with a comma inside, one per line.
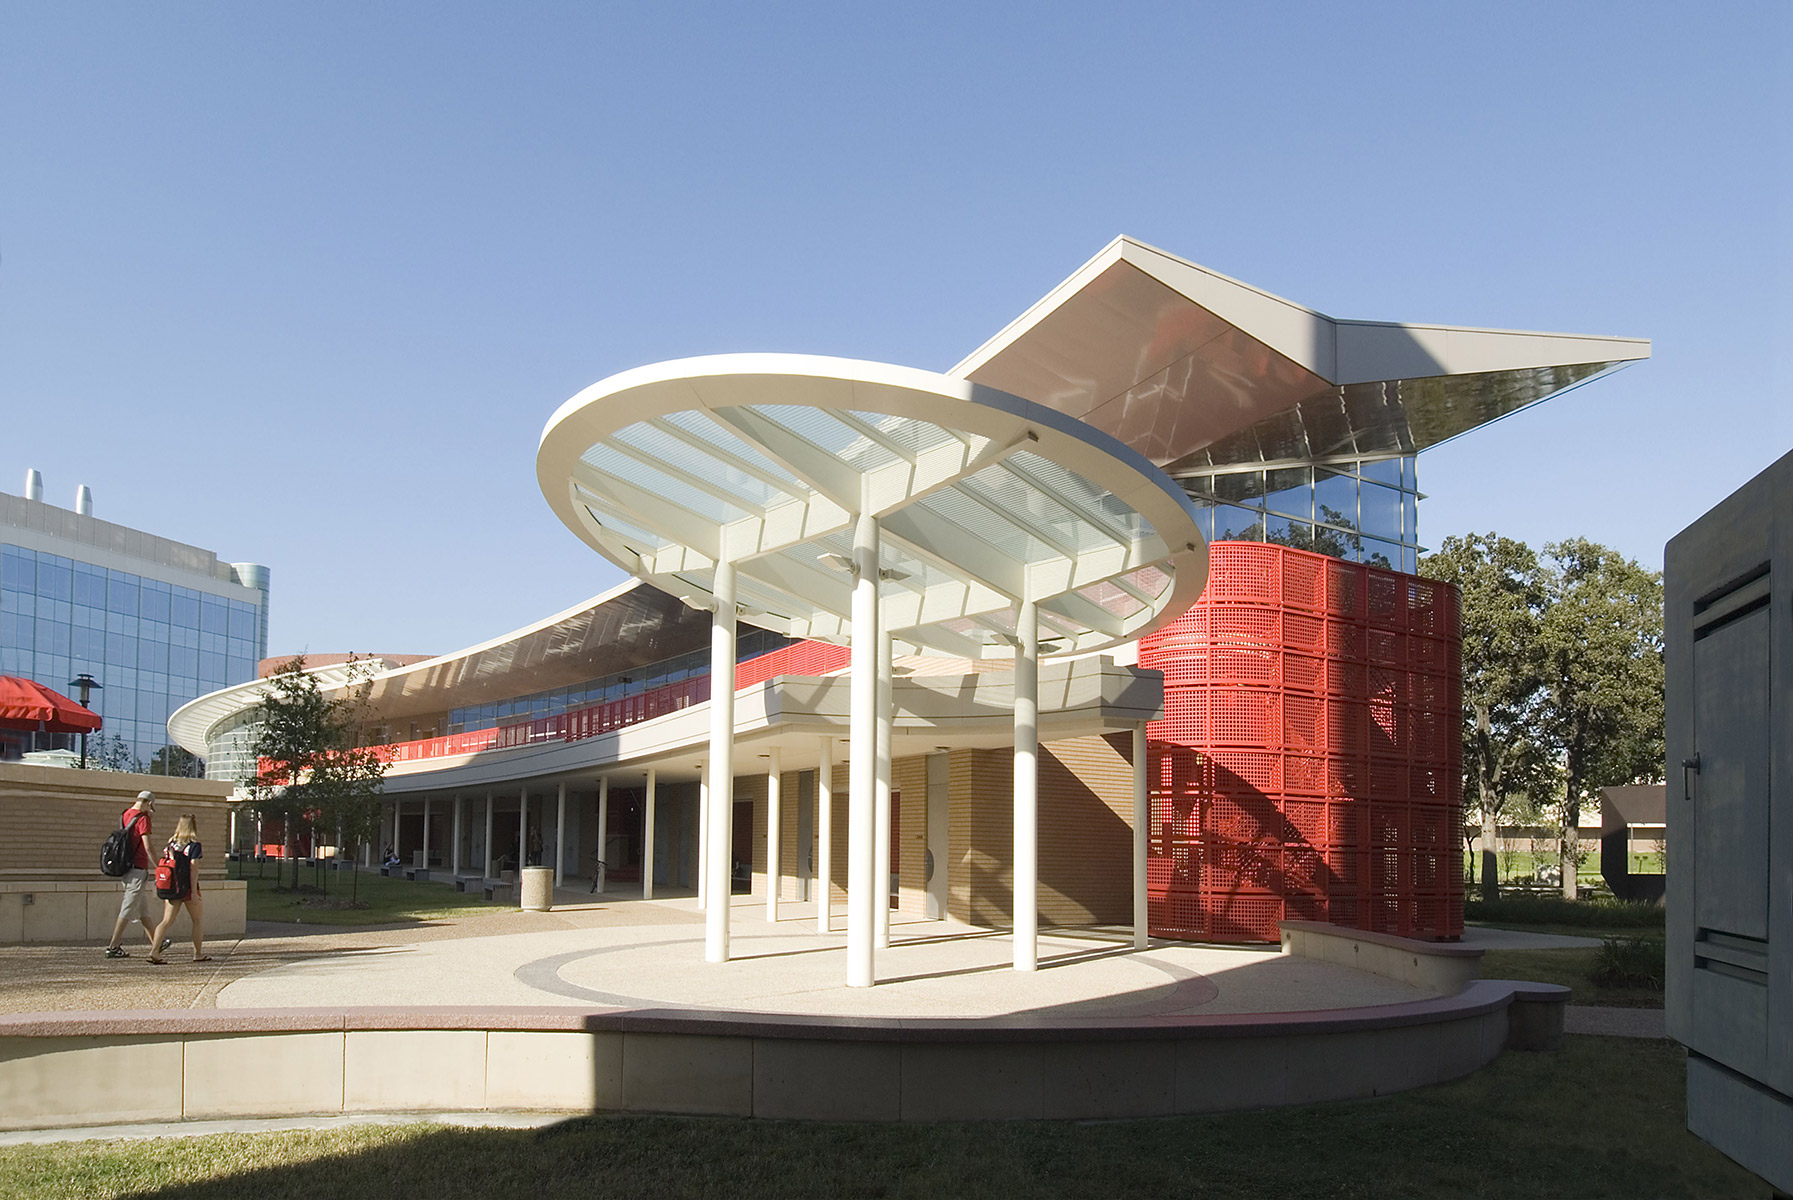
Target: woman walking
(184,848)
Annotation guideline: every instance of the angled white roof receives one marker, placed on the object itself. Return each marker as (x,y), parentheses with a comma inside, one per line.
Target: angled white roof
(1193,368)
(983,499)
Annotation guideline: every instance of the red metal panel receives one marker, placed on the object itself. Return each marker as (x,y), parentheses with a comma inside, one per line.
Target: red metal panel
(1307,762)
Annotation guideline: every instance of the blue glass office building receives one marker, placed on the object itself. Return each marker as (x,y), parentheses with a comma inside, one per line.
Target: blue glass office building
(154,621)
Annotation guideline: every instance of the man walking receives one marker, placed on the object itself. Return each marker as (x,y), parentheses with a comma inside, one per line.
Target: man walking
(139,893)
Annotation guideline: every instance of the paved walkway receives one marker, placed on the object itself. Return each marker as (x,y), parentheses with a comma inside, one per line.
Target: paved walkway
(933,969)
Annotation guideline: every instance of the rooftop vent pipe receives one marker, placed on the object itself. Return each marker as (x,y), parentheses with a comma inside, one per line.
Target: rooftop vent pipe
(84,500)
(34,484)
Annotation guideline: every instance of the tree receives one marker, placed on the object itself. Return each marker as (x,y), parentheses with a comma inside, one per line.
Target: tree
(309,767)
(112,754)
(1505,594)
(176,760)
(1601,703)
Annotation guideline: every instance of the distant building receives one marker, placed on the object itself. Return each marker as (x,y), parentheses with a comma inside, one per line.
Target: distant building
(155,622)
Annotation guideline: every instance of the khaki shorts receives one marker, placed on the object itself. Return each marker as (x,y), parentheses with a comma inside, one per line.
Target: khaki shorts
(140,896)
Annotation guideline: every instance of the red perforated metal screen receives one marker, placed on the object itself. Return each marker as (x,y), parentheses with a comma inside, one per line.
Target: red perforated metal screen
(1307,766)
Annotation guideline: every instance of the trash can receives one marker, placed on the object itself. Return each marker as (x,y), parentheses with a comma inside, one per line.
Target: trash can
(538,889)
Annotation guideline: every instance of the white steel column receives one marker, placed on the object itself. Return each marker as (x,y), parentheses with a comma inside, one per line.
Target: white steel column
(426,833)
(825,837)
(603,831)
(881,815)
(522,834)
(647,840)
(1027,773)
(703,839)
(454,861)
(486,845)
(560,833)
(722,759)
(234,848)
(863,760)
(774,802)
(1142,825)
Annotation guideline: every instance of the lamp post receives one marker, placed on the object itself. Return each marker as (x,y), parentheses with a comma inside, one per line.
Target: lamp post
(86,685)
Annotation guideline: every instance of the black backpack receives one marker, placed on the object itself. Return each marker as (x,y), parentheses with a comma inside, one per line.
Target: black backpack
(115,851)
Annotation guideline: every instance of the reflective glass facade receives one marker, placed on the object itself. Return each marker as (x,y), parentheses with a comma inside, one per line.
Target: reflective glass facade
(750,643)
(1363,511)
(152,645)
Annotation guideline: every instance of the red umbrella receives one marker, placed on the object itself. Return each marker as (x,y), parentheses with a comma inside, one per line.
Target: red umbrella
(27,705)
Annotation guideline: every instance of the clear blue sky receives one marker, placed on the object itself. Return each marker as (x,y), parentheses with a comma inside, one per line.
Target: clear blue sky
(301,283)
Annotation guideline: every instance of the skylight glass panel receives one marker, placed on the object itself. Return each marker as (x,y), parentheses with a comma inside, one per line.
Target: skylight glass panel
(981,523)
(624,530)
(1112,598)
(658,444)
(905,433)
(608,460)
(828,433)
(699,426)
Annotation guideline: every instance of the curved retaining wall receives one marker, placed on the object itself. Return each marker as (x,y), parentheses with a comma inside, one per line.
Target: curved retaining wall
(114,1067)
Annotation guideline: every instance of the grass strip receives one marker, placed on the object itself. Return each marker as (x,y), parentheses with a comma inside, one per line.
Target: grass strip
(387,901)
(1603,1118)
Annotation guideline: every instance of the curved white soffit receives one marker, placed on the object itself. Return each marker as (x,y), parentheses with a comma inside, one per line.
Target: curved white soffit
(192,723)
(983,497)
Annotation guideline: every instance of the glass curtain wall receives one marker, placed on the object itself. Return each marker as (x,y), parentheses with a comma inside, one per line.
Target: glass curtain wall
(749,644)
(1360,511)
(152,646)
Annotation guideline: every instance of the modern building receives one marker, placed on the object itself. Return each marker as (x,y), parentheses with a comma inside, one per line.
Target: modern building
(1014,550)
(153,621)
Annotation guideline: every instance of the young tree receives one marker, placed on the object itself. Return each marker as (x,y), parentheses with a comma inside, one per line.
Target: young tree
(1602,695)
(1504,594)
(309,768)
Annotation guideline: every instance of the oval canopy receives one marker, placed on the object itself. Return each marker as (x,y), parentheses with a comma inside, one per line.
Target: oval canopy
(983,499)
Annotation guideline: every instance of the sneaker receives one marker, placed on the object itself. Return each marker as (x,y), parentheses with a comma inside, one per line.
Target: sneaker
(116,952)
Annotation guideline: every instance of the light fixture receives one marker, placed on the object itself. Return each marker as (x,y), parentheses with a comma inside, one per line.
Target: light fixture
(86,684)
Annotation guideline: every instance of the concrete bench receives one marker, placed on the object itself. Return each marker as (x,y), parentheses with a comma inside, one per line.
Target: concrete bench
(500,890)
(417,874)
(1441,967)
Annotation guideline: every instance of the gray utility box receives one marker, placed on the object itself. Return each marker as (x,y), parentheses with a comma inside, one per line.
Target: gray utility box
(1728,581)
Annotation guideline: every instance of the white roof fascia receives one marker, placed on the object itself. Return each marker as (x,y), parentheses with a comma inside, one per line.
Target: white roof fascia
(1338,351)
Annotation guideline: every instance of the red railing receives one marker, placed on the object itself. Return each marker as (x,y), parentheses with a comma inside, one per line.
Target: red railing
(803,658)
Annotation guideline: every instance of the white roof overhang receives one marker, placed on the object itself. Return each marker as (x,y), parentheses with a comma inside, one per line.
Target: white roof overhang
(984,499)
(1195,369)
(794,715)
(192,723)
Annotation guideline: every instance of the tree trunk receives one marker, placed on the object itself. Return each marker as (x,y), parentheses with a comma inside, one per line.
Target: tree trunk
(1490,870)
(1571,848)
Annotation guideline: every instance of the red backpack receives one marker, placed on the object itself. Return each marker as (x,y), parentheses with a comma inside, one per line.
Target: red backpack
(168,877)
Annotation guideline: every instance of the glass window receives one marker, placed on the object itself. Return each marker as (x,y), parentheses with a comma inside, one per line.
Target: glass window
(1335,498)
(1239,486)
(121,593)
(155,603)
(1410,517)
(214,616)
(18,569)
(185,604)
(90,587)
(1337,543)
(1382,470)
(1284,532)
(1381,508)
(1381,554)
(242,621)
(1290,491)
(1237,524)
(55,577)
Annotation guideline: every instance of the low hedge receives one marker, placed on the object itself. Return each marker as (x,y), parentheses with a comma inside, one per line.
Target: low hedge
(1554,910)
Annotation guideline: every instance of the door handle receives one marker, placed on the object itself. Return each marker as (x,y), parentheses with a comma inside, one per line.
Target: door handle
(1693,765)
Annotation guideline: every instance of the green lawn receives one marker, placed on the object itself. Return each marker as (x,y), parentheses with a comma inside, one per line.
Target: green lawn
(388,901)
(1572,969)
(1603,1118)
